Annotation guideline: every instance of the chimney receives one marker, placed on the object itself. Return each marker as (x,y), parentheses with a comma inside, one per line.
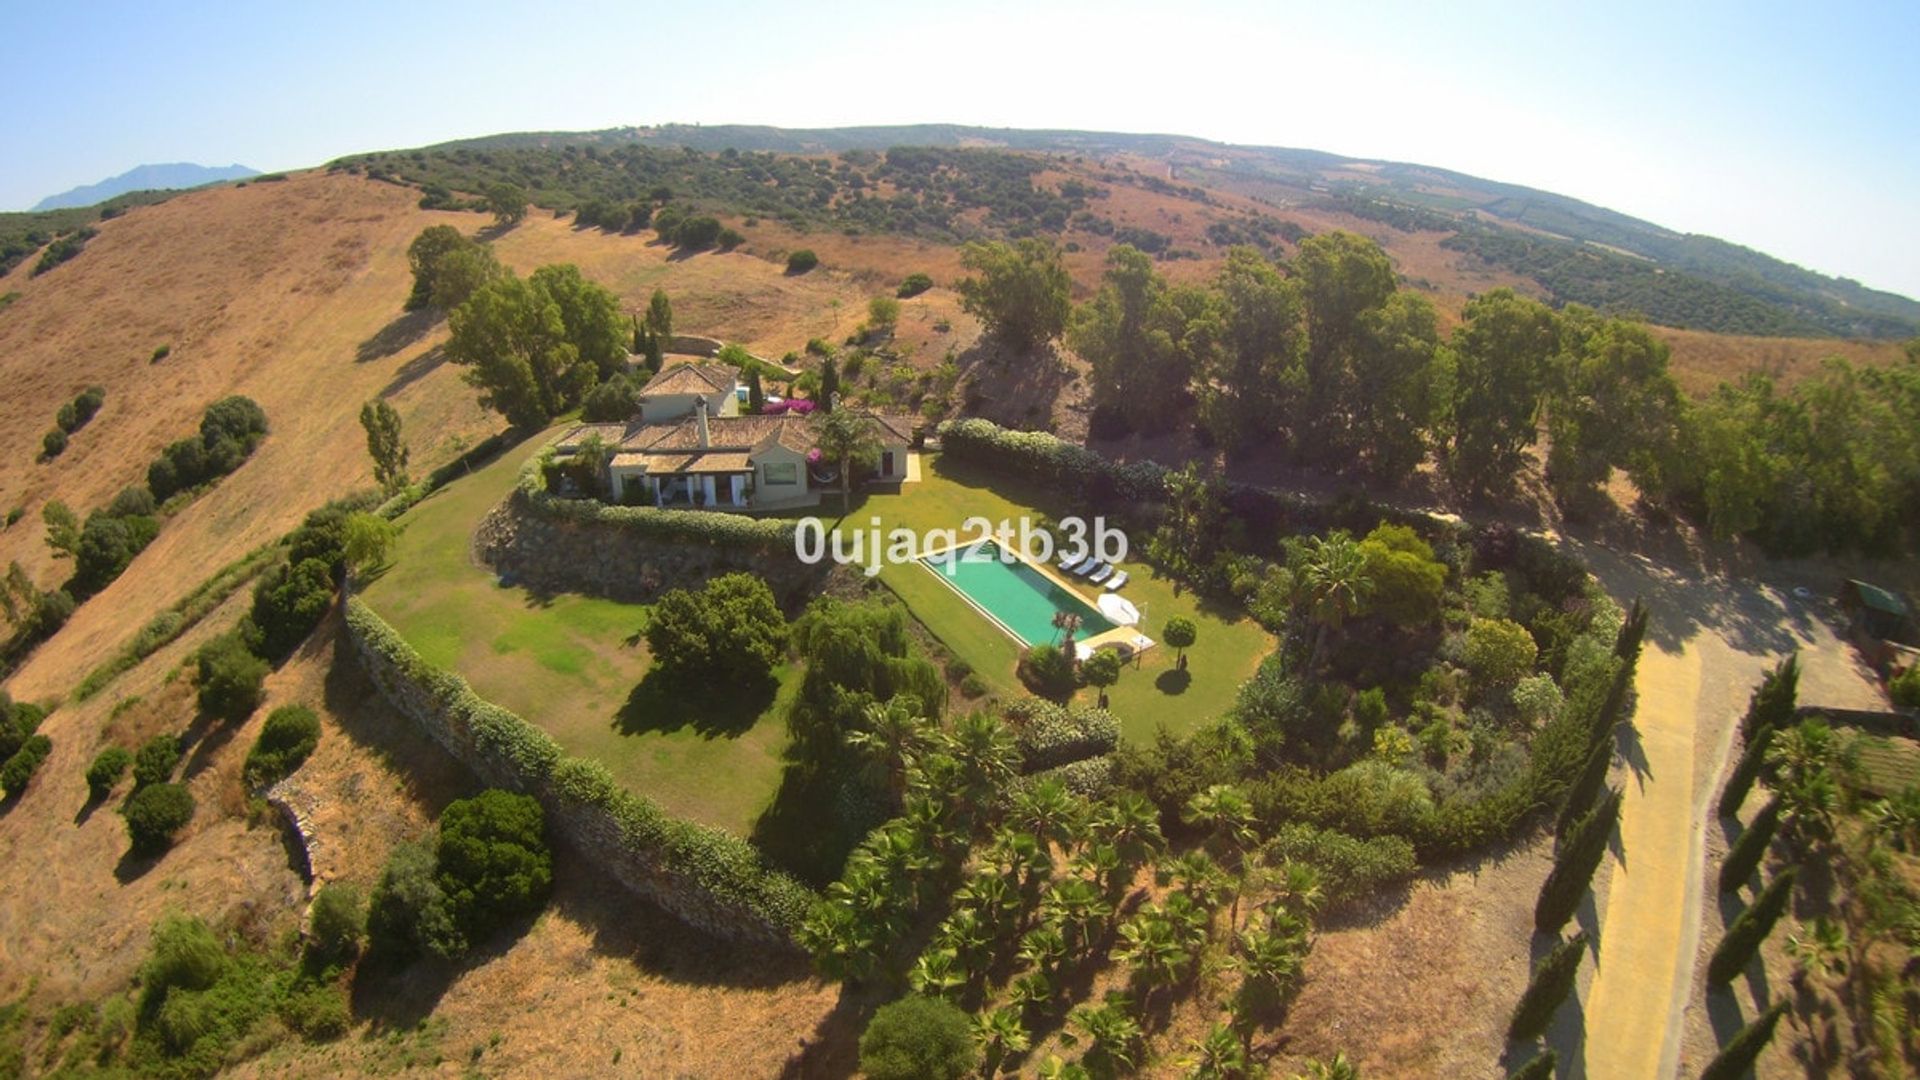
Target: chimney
(700,421)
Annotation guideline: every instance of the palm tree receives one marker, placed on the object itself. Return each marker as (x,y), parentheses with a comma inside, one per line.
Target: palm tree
(1150,944)
(1898,819)
(1131,823)
(1197,876)
(1335,1068)
(1300,889)
(991,896)
(1334,586)
(847,437)
(989,758)
(1032,992)
(1820,949)
(999,1033)
(1227,814)
(1044,946)
(937,973)
(1068,624)
(892,738)
(1217,1056)
(1100,864)
(1114,1032)
(1049,811)
(1021,856)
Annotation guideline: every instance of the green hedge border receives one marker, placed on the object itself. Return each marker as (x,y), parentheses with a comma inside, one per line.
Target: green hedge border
(726,869)
(709,528)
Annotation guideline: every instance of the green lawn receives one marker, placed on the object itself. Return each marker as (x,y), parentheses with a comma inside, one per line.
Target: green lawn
(574,665)
(1229,648)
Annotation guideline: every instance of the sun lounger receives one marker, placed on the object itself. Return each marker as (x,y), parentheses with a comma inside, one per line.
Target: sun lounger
(1118,580)
(1102,574)
(1080,568)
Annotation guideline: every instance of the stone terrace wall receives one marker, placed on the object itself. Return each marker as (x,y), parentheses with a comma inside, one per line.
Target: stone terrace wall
(555,554)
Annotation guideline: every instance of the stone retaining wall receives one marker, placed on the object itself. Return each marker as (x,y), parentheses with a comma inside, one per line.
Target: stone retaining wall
(617,831)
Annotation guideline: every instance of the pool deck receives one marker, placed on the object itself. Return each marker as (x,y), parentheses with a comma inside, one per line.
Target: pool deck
(1128,638)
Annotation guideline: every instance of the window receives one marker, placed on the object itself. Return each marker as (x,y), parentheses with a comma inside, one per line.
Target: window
(782,472)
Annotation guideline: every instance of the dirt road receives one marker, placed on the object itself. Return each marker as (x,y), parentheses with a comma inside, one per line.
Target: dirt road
(1709,639)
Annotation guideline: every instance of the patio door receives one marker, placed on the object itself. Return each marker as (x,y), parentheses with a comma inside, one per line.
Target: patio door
(886,463)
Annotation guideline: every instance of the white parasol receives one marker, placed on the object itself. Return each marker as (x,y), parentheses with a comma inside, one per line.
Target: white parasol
(1118,609)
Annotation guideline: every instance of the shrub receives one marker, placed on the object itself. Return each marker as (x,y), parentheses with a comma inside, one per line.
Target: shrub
(493,860)
(1351,869)
(338,923)
(154,814)
(1047,670)
(1499,651)
(610,402)
(1735,1060)
(131,502)
(229,676)
(1736,950)
(289,602)
(883,312)
(184,955)
(913,286)
(105,771)
(289,735)
(1772,703)
(160,353)
(1904,688)
(1089,778)
(1573,869)
(696,233)
(317,1013)
(155,762)
(732,626)
(1552,982)
(53,443)
(801,261)
(408,912)
(918,1038)
(18,771)
(1050,734)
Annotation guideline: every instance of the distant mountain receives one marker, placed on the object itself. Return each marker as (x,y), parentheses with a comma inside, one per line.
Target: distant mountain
(146,178)
(1577,252)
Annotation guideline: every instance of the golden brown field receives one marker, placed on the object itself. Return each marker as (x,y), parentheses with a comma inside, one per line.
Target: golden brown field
(290,293)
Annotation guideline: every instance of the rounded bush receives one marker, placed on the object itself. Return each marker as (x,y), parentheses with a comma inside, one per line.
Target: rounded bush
(105,771)
(54,443)
(339,921)
(289,735)
(155,761)
(801,261)
(918,1038)
(155,814)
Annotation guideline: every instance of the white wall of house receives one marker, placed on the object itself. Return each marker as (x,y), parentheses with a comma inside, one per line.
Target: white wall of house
(627,478)
(660,408)
(779,473)
(892,463)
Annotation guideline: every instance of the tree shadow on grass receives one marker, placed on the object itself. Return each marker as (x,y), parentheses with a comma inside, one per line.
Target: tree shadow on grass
(403,331)
(724,706)
(414,370)
(805,830)
(1173,681)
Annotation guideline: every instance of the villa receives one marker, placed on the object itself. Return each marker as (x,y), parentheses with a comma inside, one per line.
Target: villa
(689,445)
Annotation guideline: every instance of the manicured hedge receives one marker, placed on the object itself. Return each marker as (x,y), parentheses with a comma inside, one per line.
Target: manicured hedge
(1090,777)
(1351,869)
(1050,735)
(711,528)
(723,866)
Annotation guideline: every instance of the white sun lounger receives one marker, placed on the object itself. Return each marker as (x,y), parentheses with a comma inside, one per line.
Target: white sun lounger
(1118,580)
(1080,568)
(1102,574)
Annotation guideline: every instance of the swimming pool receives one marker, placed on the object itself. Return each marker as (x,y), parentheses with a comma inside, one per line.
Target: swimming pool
(1013,595)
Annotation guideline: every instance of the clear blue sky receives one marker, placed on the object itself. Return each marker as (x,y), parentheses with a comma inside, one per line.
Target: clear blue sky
(1794,129)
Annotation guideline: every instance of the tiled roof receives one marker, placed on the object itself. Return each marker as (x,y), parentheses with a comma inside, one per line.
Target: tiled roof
(709,461)
(723,433)
(898,425)
(611,433)
(691,379)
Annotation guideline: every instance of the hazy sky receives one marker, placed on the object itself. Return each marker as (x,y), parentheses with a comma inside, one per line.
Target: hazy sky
(1794,129)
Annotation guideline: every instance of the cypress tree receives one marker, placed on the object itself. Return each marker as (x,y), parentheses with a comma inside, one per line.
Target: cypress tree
(1626,645)
(1540,1068)
(1749,930)
(756,397)
(829,383)
(1551,983)
(1586,787)
(1573,869)
(1747,851)
(1736,1059)
(1740,781)
(1771,705)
